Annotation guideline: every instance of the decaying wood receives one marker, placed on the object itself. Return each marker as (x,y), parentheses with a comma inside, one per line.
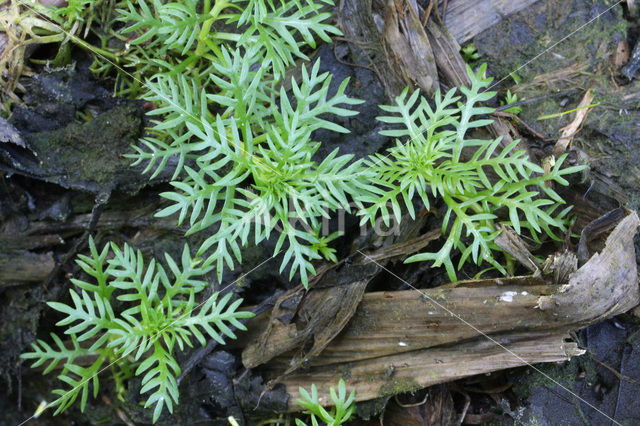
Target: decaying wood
(319,313)
(391,41)
(410,55)
(596,228)
(318,319)
(511,243)
(49,233)
(407,47)
(398,341)
(19,263)
(410,371)
(23,267)
(467,18)
(396,24)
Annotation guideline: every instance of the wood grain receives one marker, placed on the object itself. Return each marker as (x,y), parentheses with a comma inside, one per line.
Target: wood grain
(465,19)
(407,339)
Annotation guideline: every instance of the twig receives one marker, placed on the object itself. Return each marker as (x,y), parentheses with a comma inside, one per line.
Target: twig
(615,372)
(530,129)
(444,11)
(465,409)
(536,99)
(427,13)
(100,202)
(371,67)
(413,404)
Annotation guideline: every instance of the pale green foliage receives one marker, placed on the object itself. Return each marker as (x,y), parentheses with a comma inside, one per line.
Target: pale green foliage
(189,30)
(343,407)
(511,98)
(154,314)
(470,54)
(277,28)
(224,151)
(76,14)
(163,26)
(427,157)
(244,148)
(244,153)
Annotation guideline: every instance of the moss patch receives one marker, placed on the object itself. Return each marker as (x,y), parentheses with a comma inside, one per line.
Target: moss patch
(399,385)
(90,155)
(566,374)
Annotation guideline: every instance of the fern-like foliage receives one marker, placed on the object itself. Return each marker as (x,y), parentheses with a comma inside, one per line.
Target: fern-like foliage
(250,167)
(192,29)
(343,406)
(163,26)
(245,151)
(280,28)
(427,159)
(244,145)
(156,312)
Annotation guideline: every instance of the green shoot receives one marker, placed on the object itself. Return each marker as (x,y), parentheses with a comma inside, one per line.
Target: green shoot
(560,114)
(427,160)
(511,98)
(343,406)
(133,315)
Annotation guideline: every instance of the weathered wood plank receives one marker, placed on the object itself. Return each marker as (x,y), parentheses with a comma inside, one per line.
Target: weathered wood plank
(456,323)
(518,304)
(23,266)
(410,371)
(467,18)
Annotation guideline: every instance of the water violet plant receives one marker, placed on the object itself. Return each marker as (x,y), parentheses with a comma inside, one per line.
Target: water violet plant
(239,131)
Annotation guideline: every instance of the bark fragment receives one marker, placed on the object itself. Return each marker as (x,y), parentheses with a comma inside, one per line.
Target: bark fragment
(406,340)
